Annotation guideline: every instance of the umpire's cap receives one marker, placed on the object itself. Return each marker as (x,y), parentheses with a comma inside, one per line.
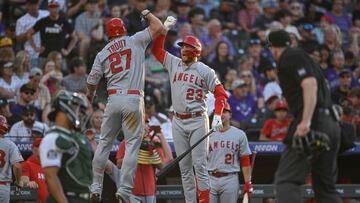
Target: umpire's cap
(279,38)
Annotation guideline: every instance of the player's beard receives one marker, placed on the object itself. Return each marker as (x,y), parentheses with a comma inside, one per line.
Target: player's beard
(188,60)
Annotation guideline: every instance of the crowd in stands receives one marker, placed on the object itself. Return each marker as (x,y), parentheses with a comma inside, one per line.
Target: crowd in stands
(50,45)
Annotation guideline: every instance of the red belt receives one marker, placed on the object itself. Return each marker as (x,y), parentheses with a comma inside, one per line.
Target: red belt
(111,92)
(219,174)
(189,115)
(4,183)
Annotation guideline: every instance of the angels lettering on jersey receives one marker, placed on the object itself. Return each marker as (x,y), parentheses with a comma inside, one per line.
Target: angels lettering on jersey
(221,144)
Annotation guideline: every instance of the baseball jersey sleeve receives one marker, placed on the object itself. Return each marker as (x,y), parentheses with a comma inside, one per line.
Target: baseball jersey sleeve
(171,62)
(142,38)
(49,156)
(15,155)
(244,145)
(96,72)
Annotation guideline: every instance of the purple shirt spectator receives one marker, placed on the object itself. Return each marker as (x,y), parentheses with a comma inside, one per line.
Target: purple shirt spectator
(343,21)
(208,41)
(333,78)
(242,109)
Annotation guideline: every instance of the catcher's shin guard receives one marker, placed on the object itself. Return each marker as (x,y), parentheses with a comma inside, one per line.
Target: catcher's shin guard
(204,196)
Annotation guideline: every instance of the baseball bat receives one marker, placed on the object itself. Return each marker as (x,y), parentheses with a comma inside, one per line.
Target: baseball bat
(253,156)
(171,165)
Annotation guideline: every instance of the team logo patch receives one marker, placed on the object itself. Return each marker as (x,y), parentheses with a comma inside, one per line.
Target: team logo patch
(301,71)
(52,154)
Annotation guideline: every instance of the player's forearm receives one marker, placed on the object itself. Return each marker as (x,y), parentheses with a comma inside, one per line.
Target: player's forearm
(309,86)
(246,173)
(155,25)
(21,37)
(17,172)
(30,38)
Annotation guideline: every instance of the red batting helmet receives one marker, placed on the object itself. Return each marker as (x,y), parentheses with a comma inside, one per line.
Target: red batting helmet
(4,127)
(115,28)
(227,107)
(193,42)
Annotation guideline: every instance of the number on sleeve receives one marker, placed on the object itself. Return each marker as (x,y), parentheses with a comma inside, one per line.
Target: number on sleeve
(229,158)
(2,158)
(115,61)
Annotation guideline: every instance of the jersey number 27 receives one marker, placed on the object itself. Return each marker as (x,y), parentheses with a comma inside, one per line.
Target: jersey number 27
(115,61)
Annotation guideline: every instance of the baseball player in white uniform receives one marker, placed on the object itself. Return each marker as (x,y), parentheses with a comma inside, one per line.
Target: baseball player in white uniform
(191,82)
(10,159)
(228,151)
(122,63)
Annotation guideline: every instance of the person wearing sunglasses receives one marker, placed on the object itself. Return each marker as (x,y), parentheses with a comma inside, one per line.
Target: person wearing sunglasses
(24,97)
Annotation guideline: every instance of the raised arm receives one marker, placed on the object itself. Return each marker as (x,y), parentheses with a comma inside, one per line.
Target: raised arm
(155,25)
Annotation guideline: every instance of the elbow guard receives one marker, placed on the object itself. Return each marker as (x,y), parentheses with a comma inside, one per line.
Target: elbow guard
(245,161)
(158,48)
(220,99)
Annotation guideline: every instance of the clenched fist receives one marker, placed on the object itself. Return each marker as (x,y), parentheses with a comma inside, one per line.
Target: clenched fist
(217,123)
(169,22)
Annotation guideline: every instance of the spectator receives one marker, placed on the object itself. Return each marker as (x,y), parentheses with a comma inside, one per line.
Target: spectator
(55,32)
(42,94)
(206,5)
(22,66)
(76,80)
(258,61)
(84,23)
(324,57)
(307,42)
(242,103)
(132,20)
(212,38)
(275,129)
(9,82)
(183,9)
(332,38)
(22,130)
(58,59)
(264,20)
(95,123)
(26,22)
(341,92)
(254,89)
(319,32)
(52,78)
(315,55)
(230,77)
(75,7)
(5,111)
(6,51)
(284,17)
(32,173)
(162,9)
(340,17)
(197,21)
(119,10)
(172,40)
(248,15)
(297,12)
(226,13)
(25,98)
(222,61)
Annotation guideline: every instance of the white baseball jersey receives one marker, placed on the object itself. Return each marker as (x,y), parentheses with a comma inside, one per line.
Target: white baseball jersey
(189,85)
(9,154)
(116,59)
(225,149)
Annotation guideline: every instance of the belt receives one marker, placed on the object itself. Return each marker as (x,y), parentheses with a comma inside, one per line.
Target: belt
(4,183)
(220,174)
(80,195)
(189,115)
(111,92)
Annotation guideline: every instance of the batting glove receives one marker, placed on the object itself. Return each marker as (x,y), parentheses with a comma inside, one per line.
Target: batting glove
(169,22)
(248,188)
(217,123)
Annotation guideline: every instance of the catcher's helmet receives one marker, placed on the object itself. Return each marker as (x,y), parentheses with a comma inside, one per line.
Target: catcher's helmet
(193,42)
(74,105)
(4,127)
(115,28)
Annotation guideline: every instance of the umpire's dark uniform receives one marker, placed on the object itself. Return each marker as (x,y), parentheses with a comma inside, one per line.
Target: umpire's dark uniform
(294,65)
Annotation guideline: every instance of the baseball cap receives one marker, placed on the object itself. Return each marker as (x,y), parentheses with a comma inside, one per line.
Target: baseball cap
(38,129)
(254,41)
(3,102)
(36,142)
(53,3)
(183,3)
(281,105)
(29,109)
(269,4)
(307,26)
(6,64)
(36,72)
(6,42)
(237,83)
(345,71)
(27,87)
(279,38)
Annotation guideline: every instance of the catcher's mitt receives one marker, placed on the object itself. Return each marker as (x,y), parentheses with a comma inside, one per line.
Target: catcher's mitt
(312,145)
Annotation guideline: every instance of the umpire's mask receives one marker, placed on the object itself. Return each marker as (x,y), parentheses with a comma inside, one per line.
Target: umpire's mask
(312,145)
(74,105)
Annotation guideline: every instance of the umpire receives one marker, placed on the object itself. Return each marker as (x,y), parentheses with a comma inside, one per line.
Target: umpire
(308,96)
